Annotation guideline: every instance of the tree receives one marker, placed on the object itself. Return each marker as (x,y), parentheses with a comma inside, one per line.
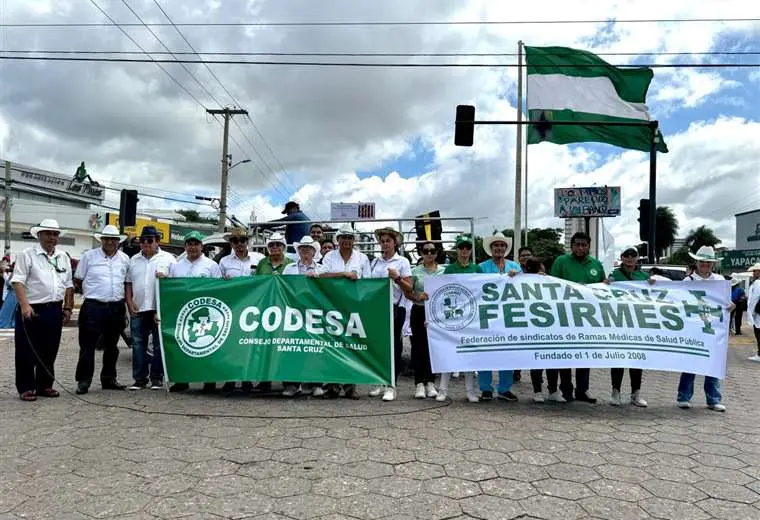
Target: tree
(544,242)
(701,236)
(192,215)
(666,230)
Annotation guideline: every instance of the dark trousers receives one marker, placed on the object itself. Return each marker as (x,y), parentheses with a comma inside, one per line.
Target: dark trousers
(537,379)
(100,325)
(757,338)
(738,315)
(581,381)
(616,375)
(420,347)
(399,315)
(143,327)
(37,372)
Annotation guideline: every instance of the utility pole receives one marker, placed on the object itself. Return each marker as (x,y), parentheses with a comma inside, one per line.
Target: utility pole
(517,237)
(7,206)
(227,113)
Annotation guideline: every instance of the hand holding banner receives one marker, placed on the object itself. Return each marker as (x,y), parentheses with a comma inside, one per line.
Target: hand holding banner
(478,322)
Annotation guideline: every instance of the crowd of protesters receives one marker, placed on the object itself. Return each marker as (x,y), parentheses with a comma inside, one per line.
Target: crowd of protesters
(115,286)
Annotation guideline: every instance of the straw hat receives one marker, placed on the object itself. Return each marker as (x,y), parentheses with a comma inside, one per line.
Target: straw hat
(497,237)
(237,232)
(48,224)
(755,267)
(397,237)
(705,254)
(110,231)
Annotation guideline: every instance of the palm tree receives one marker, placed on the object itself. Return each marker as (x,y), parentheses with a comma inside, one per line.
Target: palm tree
(666,230)
(702,236)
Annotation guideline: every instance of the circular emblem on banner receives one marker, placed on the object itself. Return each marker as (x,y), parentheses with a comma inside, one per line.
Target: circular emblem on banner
(202,326)
(453,307)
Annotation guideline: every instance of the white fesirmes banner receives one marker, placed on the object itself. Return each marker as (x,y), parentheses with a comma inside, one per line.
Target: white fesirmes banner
(492,322)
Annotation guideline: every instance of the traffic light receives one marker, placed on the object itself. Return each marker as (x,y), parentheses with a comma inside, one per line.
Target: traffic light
(644,219)
(426,228)
(464,125)
(128,209)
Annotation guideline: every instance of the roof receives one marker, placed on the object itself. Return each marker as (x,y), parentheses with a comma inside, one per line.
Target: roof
(746,212)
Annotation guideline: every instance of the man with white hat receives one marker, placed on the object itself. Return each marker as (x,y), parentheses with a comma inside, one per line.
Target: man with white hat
(103,272)
(306,265)
(753,314)
(706,260)
(240,262)
(345,262)
(497,246)
(144,267)
(277,260)
(45,292)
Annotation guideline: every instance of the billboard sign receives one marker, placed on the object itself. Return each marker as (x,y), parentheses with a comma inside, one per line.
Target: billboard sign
(739,259)
(748,230)
(26,178)
(602,201)
(352,211)
(134,231)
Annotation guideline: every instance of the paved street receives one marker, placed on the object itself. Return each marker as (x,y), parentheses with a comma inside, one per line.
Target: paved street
(277,459)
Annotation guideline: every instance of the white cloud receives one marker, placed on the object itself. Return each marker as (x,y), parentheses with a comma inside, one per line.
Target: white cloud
(131,123)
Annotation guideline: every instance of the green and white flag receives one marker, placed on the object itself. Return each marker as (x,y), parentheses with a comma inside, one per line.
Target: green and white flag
(572,85)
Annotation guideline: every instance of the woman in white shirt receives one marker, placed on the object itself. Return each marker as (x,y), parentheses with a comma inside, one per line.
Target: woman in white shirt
(392,265)
(706,259)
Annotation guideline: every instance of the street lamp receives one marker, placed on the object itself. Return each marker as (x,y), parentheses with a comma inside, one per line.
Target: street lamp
(239,162)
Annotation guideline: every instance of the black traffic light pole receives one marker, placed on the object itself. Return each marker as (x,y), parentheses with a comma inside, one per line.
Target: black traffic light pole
(464,129)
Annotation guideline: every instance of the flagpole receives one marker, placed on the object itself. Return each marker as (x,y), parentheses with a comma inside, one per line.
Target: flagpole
(652,237)
(518,151)
(525,173)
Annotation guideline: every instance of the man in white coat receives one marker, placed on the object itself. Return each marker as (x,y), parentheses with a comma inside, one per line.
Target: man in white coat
(753,317)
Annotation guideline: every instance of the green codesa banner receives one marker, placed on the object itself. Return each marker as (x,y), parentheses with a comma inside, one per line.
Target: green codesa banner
(276,328)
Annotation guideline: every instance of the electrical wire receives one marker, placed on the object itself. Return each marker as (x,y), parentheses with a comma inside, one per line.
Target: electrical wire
(159,65)
(369,64)
(399,23)
(380,54)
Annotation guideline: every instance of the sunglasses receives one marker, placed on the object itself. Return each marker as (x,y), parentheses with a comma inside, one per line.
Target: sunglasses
(630,255)
(146,240)
(428,251)
(464,246)
(276,244)
(238,240)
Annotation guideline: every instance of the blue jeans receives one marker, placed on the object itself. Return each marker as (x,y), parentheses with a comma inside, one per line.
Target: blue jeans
(686,388)
(143,326)
(485,380)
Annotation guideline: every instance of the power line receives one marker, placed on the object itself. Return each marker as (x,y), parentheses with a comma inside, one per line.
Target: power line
(209,94)
(377,54)
(370,64)
(113,22)
(389,23)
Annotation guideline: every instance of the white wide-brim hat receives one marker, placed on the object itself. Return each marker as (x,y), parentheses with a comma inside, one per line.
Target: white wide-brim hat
(307,241)
(704,254)
(497,237)
(276,238)
(755,267)
(48,224)
(345,231)
(110,231)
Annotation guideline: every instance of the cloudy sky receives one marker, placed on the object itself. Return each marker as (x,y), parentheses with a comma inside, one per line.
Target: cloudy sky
(380,134)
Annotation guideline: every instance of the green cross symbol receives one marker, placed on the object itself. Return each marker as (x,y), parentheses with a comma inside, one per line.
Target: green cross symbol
(703,309)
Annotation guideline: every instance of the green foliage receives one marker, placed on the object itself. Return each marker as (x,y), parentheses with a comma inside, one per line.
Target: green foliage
(666,230)
(193,216)
(701,236)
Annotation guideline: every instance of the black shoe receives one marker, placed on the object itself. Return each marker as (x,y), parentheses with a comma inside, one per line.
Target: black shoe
(179,387)
(332,393)
(569,397)
(263,387)
(585,398)
(507,396)
(112,385)
(208,388)
(246,387)
(82,388)
(486,396)
(228,387)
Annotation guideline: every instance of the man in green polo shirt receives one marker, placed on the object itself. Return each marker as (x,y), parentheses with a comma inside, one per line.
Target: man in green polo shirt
(277,260)
(464,263)
(579,267)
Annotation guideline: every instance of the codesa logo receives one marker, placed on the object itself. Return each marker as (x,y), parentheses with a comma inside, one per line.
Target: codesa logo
(202,326)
